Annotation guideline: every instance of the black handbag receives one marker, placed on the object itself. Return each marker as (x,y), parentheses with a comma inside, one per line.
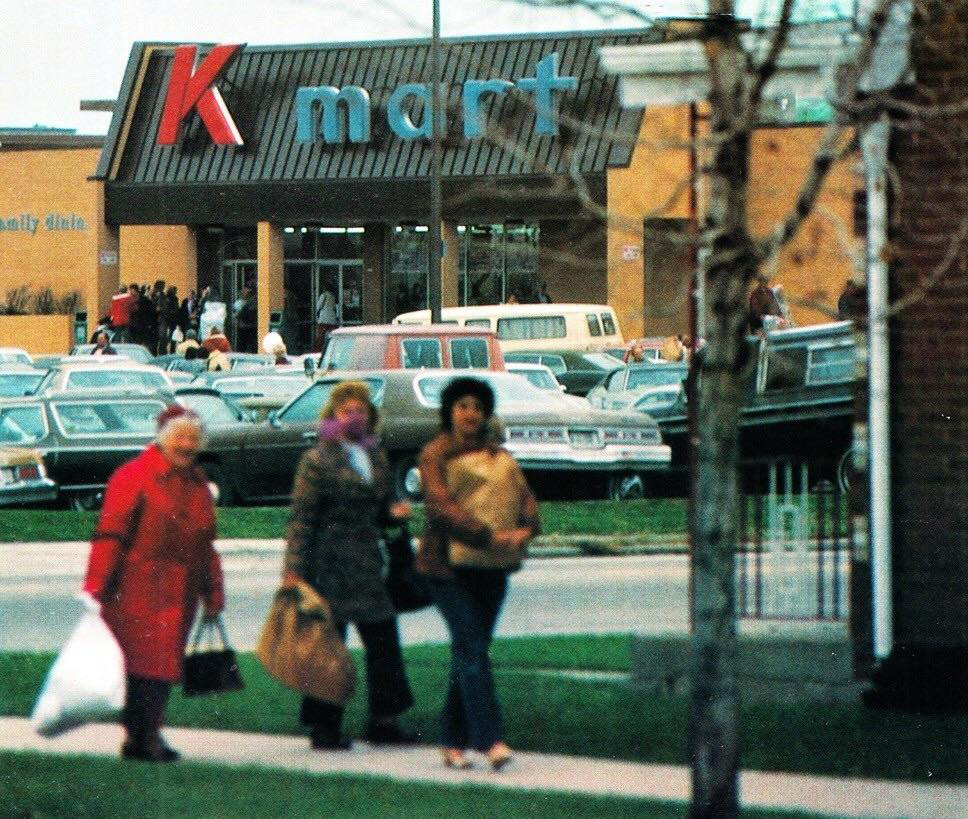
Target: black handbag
(210,669)
(408,589)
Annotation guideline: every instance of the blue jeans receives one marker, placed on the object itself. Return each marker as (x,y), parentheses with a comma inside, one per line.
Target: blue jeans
(470,605)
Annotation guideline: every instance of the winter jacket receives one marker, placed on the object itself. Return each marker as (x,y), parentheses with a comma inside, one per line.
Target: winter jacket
(152,560)
(334,529)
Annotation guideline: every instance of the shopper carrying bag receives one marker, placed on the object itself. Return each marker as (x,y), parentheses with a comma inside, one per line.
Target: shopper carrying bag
(152,563)
(341,498)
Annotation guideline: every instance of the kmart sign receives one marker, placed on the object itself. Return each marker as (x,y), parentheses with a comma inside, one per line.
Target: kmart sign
(334,115)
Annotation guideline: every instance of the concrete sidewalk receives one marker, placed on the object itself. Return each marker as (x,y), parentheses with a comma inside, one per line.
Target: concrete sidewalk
(817,794)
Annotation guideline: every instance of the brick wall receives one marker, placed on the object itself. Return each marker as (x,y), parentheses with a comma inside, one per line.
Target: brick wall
(929,349)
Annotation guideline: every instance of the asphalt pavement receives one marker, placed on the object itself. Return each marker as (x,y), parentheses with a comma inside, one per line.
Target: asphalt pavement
(824,795)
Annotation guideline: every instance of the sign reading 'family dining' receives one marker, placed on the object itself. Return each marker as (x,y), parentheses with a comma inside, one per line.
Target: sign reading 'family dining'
(332,114)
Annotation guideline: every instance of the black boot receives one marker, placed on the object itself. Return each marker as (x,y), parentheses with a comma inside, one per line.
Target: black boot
(327,739)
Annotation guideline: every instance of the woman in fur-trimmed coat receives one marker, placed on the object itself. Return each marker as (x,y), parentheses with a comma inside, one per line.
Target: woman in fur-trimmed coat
(340,499)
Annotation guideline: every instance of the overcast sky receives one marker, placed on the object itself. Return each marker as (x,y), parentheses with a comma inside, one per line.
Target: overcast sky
(54,54)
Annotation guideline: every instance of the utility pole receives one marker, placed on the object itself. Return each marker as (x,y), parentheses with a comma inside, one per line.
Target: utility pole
(433,236)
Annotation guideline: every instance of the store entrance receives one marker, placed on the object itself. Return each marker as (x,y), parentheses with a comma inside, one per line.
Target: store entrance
(240,316)
(305,280)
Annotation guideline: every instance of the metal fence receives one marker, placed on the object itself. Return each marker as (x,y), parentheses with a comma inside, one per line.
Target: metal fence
(793,558)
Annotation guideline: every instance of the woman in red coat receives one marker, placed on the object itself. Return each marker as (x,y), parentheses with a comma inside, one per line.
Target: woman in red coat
(152,560)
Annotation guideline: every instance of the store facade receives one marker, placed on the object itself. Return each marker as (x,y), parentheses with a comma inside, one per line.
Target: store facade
(295,169)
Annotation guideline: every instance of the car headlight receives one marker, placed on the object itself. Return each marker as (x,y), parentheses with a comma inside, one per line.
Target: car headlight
(535,435)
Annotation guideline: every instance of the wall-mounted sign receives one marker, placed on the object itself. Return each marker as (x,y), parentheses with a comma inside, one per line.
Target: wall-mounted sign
(631,253)
(53,222)
(191,87)
(332,113)
(108,258)
(318,112)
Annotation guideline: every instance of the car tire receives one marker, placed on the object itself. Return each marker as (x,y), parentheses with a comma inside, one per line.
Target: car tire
(406,477)
(216,475)
(626,486)
(86,501)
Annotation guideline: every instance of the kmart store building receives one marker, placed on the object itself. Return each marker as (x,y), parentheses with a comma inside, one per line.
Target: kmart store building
(293,168)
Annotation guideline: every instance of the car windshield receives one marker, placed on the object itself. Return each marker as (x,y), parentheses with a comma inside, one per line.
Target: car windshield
(13,384)
(8,357)
(660,376)
(133,351)
(283,385)
(114,417)
(309,405)
(508,389)
(115,379)
(212,409)
(22,425)
(254,363)
(600,360)
(542,379)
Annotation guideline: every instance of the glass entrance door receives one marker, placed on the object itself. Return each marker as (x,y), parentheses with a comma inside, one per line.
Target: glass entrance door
(344,278)
(235,276)
(305,280)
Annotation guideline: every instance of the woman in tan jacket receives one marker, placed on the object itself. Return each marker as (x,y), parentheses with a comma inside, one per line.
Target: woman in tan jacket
(480,515)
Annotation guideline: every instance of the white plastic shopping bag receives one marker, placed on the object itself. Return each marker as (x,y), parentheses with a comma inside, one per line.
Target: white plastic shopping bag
(86,683)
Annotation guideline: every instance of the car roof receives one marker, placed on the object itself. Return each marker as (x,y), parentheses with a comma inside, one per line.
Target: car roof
(412,330)
(527,365)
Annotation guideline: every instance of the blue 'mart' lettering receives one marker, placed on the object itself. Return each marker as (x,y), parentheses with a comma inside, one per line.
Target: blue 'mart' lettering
(319,109)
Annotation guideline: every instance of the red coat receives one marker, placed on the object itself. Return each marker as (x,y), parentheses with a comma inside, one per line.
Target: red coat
(152,559)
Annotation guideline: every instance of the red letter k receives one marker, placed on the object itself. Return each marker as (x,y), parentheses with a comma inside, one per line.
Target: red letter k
(190,88)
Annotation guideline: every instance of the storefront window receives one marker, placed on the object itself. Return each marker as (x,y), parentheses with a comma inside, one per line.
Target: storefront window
(408,269)
(498,261)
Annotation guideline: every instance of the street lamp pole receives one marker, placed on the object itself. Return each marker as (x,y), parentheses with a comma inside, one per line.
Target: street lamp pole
(434,235)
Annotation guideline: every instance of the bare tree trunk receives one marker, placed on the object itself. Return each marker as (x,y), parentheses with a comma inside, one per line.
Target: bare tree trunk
(714,719)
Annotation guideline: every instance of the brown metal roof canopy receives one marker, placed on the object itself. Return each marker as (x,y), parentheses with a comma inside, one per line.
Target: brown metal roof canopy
(276,178)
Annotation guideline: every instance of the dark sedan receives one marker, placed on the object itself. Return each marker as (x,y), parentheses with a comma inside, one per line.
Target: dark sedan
(83,438)
(578,371)
(547,433)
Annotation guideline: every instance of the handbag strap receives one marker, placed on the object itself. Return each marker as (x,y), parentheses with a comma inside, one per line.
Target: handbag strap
(206,628)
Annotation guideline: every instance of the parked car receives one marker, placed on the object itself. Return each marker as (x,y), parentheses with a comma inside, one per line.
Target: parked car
(578,371)
(214,408)
(15,355)
(180,370)
(23,477)
(16,379)
(430,346)
(540,376)
(550,436)
(799,400)
(624,387)
(136,352)
(104,373)
(83,437)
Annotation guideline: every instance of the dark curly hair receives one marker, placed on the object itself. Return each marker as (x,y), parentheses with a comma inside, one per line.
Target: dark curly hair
(457,389)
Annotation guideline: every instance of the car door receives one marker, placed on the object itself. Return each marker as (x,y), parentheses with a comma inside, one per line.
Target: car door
(271,449)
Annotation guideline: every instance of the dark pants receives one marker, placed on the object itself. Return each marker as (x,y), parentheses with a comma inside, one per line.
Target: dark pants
(387,689)
(144,711)
(470,605)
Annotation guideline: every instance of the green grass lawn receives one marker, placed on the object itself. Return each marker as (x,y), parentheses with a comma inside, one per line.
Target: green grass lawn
(660,516)
(592,717)
(36,785)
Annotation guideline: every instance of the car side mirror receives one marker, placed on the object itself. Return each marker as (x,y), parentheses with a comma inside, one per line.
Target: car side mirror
(561,387)
(273,419)
(309,366)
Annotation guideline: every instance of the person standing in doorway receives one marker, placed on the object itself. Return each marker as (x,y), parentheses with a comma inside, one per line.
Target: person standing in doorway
(326,319)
